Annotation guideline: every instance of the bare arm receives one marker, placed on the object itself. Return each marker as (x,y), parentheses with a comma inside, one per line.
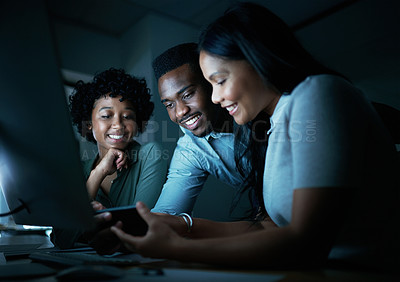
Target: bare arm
(203,228)
(114,160)
(316,219)
(315,222)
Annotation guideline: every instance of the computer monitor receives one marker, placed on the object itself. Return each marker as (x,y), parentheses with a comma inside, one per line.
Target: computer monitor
(40,168)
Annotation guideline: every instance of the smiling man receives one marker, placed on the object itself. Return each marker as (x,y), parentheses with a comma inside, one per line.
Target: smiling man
(207,147)
(186,97)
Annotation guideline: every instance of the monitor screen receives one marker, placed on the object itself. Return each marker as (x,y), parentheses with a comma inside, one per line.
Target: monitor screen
(40,168)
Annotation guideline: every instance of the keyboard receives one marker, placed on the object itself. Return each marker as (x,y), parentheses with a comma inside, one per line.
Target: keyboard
(78,258)
(18,249)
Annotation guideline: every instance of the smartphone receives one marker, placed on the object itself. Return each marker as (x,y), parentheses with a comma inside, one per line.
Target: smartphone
(133,223)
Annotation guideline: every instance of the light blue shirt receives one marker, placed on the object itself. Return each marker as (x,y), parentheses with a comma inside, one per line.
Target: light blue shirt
(326,134)
(194,159)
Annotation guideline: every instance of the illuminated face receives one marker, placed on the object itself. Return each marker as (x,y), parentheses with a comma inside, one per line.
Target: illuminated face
(113,124)
(237,87)
(187,97)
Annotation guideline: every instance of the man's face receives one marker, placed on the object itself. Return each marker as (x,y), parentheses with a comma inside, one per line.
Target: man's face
(187,97)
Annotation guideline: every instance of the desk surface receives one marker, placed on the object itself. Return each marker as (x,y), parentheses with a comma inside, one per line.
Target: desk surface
(174,271)
(177,271)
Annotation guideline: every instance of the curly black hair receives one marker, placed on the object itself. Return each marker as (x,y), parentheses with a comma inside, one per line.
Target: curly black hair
(112,82)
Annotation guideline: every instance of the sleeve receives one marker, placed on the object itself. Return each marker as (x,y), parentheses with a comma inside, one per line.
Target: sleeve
(152,175)
(185,180)
(327,129)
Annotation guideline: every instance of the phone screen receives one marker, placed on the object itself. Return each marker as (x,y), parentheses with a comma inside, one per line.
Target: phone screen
(132,222)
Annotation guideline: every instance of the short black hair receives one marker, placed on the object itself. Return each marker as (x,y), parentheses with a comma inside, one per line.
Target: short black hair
(175,57)
(112,82)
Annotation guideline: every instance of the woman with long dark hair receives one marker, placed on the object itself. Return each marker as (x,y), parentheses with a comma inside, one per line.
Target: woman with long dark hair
(328,179)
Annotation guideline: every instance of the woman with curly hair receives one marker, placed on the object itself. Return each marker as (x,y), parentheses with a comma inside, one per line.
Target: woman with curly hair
(110,111)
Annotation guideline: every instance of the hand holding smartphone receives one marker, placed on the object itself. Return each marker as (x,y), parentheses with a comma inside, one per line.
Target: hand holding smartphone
(133,223)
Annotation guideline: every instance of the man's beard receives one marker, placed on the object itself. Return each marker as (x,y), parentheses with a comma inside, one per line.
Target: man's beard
(207,131)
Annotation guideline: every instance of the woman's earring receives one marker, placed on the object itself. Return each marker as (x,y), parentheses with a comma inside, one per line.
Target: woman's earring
(89,125)
(86,128)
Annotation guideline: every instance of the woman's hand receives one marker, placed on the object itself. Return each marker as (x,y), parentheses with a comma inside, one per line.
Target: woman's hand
(97,206)
(114,160)
(160,240)
(101,238)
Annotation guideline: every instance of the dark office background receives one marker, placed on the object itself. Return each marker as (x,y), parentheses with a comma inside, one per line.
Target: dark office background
(359,38)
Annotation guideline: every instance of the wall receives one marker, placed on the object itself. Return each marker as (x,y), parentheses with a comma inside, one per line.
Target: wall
(362,42)
(85,51)
(141,44)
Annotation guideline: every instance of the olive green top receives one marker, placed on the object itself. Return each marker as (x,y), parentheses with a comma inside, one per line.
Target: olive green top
(141,181)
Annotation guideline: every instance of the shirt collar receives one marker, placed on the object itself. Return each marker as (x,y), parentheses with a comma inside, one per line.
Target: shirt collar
(213,134)
(283,100)
(216,135)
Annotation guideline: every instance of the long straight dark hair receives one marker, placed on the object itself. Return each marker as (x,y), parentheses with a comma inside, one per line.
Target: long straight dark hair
(251,32)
